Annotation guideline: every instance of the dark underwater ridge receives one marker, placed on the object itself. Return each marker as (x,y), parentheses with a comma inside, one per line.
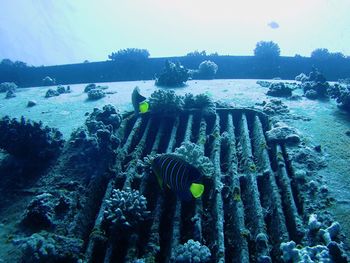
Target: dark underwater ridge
(77,183)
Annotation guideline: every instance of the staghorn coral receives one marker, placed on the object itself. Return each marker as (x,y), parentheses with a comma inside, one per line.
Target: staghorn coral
(166,102)
(29,140)
(125,208)
(191,252)
(46,247)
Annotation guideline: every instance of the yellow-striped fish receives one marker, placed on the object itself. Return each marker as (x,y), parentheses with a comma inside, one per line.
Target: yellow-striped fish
(181,177)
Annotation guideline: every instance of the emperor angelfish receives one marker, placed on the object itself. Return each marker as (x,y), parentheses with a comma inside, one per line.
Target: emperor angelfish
(139,102)
(181,177)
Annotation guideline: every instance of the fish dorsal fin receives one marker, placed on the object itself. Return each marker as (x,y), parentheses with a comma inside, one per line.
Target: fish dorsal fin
(197,190)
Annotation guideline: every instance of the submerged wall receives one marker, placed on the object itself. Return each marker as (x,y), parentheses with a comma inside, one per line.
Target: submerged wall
(235,67)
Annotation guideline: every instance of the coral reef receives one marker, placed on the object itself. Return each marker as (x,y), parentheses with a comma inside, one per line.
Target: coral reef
(292,253)
(47,81)
(46,247)
(311,94)
(263,83)
(129,54)
(301,77)
(94,86)
(51,93)
(96,94)
(281,133)
(98,140)
(315,85)
(267,50)
(43,210)
(40,212)
(7,86)
(274,107)
(192,153)
(341,94)
(322,246)
(279,89)
(165,102)
(59,90)
(207,70)
(173,75)
(29,140)
(202,102)
(191,252)
(125,209)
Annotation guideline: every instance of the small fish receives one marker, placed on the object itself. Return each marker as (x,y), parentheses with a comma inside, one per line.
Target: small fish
(179,176)
(273,25)
(138,101)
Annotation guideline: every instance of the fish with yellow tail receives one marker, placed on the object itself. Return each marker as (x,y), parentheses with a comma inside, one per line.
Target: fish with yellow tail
(179,176)
(139,102)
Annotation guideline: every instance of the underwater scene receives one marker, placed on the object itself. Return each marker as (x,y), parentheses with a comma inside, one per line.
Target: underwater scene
(184,131)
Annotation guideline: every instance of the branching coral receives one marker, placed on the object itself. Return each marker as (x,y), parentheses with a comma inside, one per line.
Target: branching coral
(45,247)
(341,94)
(125,208)
(166,102)
(99,136)
(191,252)
(192,153)
(29,140)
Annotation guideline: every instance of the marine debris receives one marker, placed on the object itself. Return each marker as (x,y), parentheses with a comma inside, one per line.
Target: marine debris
(260,194)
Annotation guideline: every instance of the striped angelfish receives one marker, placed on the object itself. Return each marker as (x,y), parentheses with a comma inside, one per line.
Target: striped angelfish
(181,177)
